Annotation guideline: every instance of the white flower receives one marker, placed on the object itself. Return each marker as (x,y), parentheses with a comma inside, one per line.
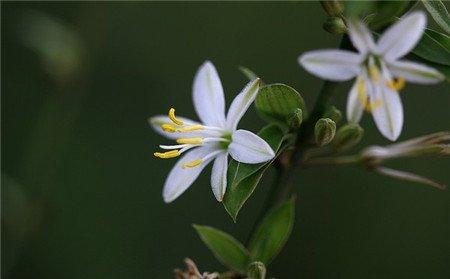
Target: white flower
(213,139)
(379,72)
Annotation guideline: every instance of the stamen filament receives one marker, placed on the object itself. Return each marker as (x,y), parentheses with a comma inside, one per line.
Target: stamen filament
(168,154)
(173,117)
(177,146)
(192,128)
(374,74)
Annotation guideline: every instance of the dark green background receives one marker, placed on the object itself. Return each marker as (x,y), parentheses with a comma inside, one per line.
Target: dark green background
(82,192)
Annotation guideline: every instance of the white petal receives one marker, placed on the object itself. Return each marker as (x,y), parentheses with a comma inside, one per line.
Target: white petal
(249,148)
(219,176)
(180,179)
(402,37)
(157,121)
(241,103)
(335,65)
(355,107)
(207,94)
(388,115)
(361,37)
(415,72)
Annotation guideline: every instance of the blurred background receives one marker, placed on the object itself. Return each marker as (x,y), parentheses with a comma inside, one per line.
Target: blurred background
(81,192)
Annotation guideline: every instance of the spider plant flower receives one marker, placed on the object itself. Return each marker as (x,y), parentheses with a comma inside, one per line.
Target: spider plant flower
(378,70)
(212,139)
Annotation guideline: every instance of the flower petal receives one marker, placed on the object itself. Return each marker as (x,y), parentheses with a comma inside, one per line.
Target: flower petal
(158,120)
(219,176)
(388,115)
(355,100)
(335,65)
(415,72)
(361,37)
(179,179)
(402,37)
(249,148)
(207,94)
(241,103)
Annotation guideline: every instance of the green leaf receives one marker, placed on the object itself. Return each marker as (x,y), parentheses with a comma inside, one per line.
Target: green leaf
(272,233)
(388,12)
(243,178)
(434,47)
(439,13)
(277,102)
(225,248)
(358,8)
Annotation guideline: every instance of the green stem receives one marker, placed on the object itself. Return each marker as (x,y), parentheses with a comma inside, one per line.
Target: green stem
(283,184)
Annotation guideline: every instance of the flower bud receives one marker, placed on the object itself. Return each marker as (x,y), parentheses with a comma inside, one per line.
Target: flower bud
(348,136)
(334,25)
(333,113)
(256,270)
(296,119)
(332,7)
(324,131)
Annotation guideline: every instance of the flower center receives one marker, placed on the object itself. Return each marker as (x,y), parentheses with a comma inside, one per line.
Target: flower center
(199,135)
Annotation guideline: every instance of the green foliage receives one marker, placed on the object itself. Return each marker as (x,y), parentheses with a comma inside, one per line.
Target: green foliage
(296,119)
(434,47)
(225,248)
(347,136)
(277,102)
(243,178)
(324,131)
(273,232)
(256,270)
(439,13)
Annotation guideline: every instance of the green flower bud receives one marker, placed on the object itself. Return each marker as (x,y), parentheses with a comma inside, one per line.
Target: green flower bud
(348,136)
(324,131)
(335,25)
(256,270)
(332,7)
(333,113)
(295,120)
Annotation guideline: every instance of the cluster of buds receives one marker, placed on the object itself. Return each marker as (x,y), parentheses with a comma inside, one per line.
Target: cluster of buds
(437,144)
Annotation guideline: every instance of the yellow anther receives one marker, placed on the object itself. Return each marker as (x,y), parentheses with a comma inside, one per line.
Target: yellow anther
(362,98)
(191,128)
(396,84)
(168,154)
(169,128)
(192,164)
(174,118)
(190,141)
(371,106)
(374,74)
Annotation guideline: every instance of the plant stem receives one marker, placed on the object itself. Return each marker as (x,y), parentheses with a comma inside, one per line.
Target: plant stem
(290,160)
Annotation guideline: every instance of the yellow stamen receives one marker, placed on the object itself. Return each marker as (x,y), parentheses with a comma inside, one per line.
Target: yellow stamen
(362,98)
(374,74)
(396,84)
(190,128)
(190,140)
(192,164)
(168,154)
(174,118)
(169,128)
(371,106)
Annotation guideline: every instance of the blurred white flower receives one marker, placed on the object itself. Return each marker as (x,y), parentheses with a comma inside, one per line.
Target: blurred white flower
(379,72)
(213,139)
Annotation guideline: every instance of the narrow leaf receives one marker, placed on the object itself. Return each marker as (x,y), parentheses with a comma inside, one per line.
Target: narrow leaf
(248,73)
(439,13)
(277,102)
(225,248)
(272,233)
(243,178)
(434,47)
